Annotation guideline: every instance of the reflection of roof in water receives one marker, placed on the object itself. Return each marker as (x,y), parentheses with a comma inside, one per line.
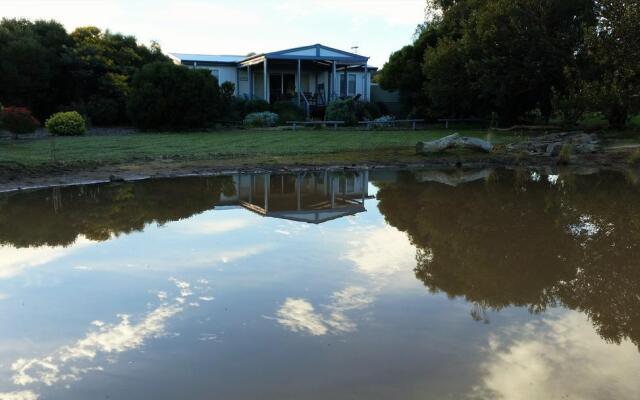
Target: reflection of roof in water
(317,216)
(311,198)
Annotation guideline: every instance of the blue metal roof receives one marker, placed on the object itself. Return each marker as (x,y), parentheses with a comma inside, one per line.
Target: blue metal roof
(317,52)
(207,58)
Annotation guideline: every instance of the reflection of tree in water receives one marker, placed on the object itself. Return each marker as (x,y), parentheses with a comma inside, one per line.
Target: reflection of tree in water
(512,241)
(57,216)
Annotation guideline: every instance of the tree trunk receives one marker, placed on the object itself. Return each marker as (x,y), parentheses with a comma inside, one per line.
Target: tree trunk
(455,140)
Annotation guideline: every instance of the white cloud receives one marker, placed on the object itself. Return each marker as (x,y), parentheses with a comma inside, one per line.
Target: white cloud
(212,227)
(398,12)
(23,395)
(14,261)
(69,362)
(106,339)
(558,358)
(299,315)
(380,252)
(211,26)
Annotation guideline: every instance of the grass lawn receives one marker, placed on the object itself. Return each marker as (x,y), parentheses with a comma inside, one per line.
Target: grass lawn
(243,146)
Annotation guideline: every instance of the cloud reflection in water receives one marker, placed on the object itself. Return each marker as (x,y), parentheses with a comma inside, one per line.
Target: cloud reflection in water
(69,363)
(556,357)
(299,315)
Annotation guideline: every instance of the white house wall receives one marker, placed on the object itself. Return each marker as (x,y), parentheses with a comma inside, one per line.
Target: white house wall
(225,74)
(243,89)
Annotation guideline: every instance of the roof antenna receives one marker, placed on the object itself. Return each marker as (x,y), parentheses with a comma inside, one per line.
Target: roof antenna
(355,48)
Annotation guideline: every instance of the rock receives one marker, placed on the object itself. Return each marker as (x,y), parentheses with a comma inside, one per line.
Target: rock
(113,178)
(585,148)
(550,145)
(553,149)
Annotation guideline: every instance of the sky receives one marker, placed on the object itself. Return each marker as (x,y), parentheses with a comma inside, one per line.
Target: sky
(378,27)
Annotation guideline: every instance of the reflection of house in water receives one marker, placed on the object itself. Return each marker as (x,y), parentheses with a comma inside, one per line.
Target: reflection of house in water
(313,197)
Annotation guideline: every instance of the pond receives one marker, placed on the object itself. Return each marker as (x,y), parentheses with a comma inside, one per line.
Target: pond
(379,284)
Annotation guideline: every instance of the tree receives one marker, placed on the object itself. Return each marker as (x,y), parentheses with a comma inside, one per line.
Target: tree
(45,69)
(476,57)
(515,241)
(103,65)
(447,81)
(100,212)
(169,96)
(34,65)
(403,71)
(614,47)
(514,52)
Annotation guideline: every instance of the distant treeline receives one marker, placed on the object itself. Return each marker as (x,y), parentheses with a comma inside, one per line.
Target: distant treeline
(107,77)
(46,69)
(511,60)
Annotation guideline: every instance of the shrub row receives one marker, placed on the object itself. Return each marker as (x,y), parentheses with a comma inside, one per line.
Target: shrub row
(20,121)
(261,119)
(285,110)
(351,111)
(66,124)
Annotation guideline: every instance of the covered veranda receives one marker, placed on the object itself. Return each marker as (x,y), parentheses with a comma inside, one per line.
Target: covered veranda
(311,76)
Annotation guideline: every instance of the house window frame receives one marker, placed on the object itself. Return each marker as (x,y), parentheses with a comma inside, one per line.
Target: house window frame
(351,78)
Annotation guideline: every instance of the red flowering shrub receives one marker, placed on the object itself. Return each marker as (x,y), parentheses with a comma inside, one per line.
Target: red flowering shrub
(18,120)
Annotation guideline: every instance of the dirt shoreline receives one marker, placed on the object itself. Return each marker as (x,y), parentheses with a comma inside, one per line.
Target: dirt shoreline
(13,178)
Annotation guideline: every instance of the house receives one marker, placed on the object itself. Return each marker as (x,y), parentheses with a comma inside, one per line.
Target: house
(312,75)
(312,197)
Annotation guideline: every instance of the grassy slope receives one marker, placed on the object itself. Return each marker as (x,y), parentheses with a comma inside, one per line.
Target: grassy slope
(243,146)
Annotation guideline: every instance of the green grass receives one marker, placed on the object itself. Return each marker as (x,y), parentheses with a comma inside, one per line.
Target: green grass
(242,145)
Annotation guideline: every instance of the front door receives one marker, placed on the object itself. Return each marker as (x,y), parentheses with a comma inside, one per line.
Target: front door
(275,87)
(289,86)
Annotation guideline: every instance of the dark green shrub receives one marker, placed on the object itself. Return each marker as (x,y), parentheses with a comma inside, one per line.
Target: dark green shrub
(104,111)
(288,111)
(18,120)
(255,105)
(169,96)
(367,111)
(236,109)
(383,108)
(227,89)
(342,110)
(227,111)
(66,124)
(240,107)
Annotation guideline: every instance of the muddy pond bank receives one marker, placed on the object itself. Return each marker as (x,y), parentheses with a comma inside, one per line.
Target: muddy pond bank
(16,177)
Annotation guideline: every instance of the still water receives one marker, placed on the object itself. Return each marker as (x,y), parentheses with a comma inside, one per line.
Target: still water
(324,285)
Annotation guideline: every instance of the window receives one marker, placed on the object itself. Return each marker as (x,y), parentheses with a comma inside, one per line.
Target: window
(352,84)
(350,88)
